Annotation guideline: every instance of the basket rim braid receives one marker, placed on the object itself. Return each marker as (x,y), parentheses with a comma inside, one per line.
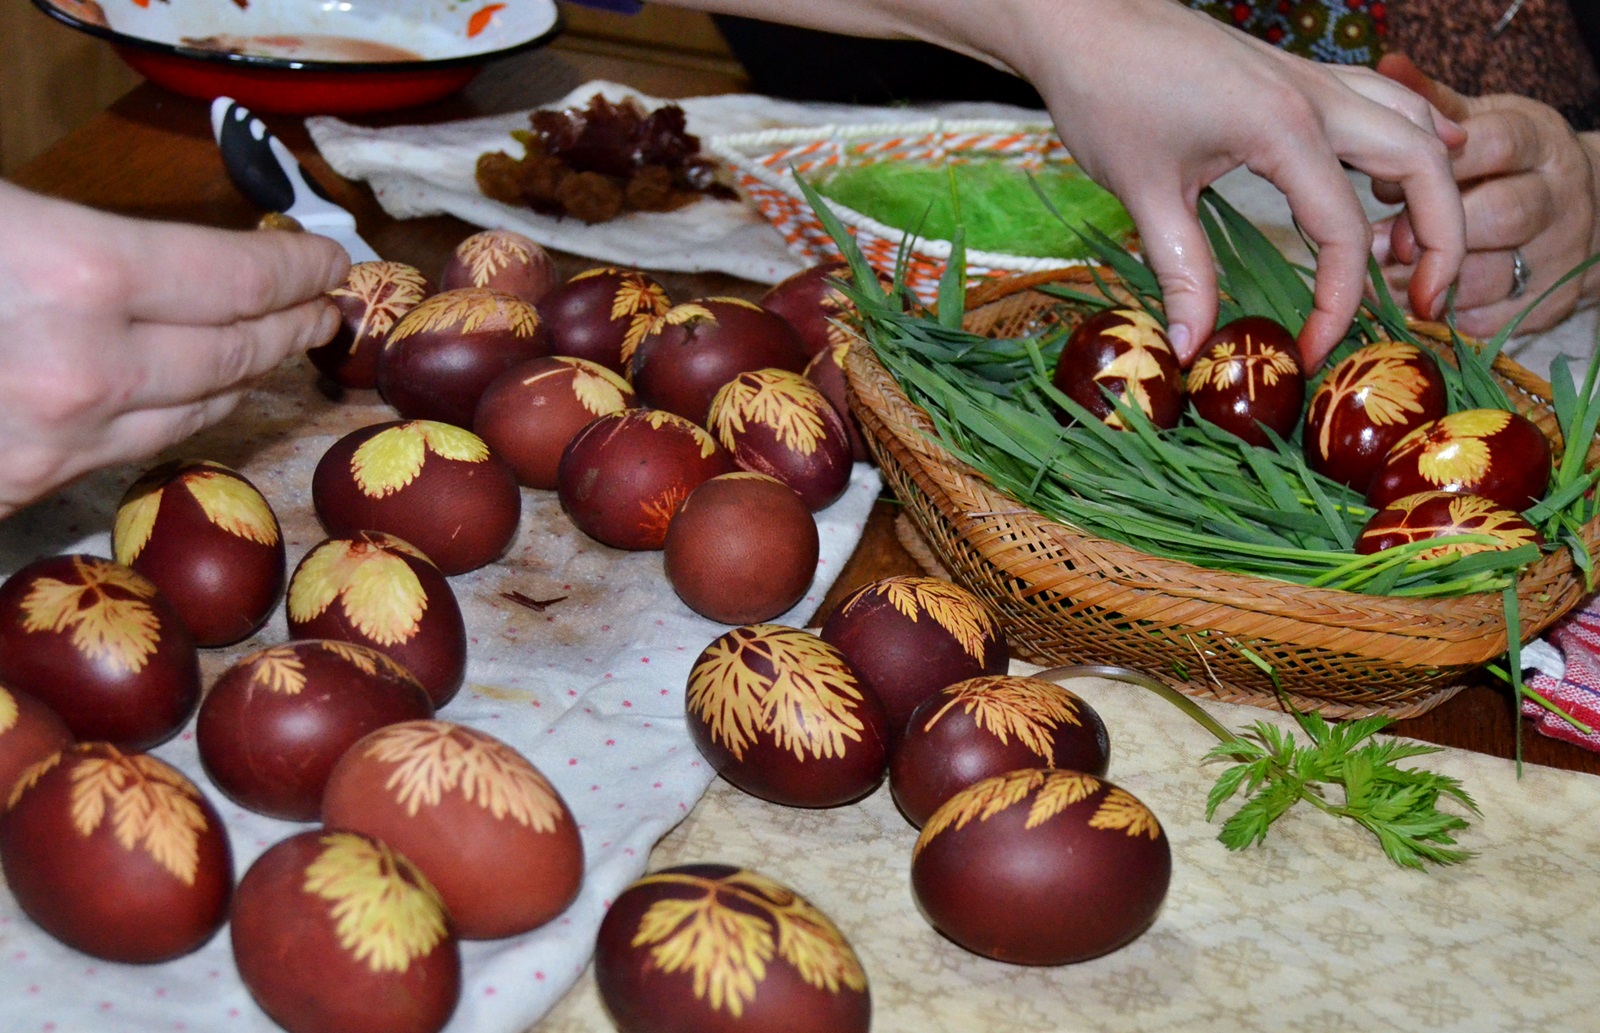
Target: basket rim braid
(1068,597)
(765,164)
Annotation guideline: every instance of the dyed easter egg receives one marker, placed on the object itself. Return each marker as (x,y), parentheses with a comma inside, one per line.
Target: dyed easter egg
(1492,453)
(696,347)
(742,548)
(29,732)
(1121,353)
(826,371)
(812,303)
(503,260)
(777,423)
(1365,404)
(370,302)
(1438,514)
(1246,376)
(533,410)
(602,314)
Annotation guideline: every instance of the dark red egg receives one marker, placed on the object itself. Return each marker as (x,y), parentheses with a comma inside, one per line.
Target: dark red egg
(534,409)
(503,260)
(373,299)
(378,591)
(333,930)
(433,484)
(826,371)
(275,723)
(779,713)
(602,314)
(907,637)
(1499,455)
(1041,867)
(776,422)
(689,353)
(982,727)
(1438,514)
(29,732)
(1121,353)
(480,821)
(209,541)
(811,302)
(1369,401)
(438,359)
(116,854)
(98,644)
(624,475)
(742,548)
(678,953)
(1246,376)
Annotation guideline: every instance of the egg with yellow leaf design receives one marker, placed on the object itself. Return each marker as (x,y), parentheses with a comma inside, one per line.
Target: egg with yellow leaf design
(1247,376)
(533,410)
(481,822)
(98,643)
(1365,404)
(1121,353)
(29,732)
(1443,514)
(696,347)
(275,722)
(813,305)
(116,854)
(210,542)
(601,314)
(435,485)
(1499,455)
(711,948)
(333,930)
(504,260)
(372,299)
(1041,867)
(780,424)
(779,713)
(826,371)
(987,726)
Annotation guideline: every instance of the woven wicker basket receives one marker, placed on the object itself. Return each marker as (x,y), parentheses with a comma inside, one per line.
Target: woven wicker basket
(1067,597)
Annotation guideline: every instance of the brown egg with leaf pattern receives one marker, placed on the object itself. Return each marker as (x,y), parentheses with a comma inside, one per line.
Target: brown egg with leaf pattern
(908,636)
(433,484)
(97,643)
(373,298)
(378,591)
(116,854)
(503,260)
(210,542)
(441,355)
(826,371)
(987,726)
(1247,376)
(1365,404)
(625,474)
(742,548)
(333,930)
(601,315)
(1439,514)
(696,347)
(1041,867)
(533,410)
(712,948)
(1499,455)
(812,303)
(1121,353)
(779,713)
(486,827)
(274,723)
(29,732)
(777,423)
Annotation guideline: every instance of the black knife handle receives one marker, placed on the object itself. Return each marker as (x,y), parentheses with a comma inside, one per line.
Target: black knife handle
(246,146)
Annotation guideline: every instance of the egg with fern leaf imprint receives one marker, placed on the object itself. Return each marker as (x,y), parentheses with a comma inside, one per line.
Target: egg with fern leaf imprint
(1499,455)
(1365,404)
(1438,514)
(776,422)
(1246,376)
(29,732)
(601,315)
(1121,353)
(372,299)
(503,260)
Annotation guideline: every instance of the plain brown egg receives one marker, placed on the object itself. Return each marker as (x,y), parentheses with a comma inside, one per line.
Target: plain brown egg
(372,300)
(601,315)
(435,485)
(277,720)
(376,590)
(689,353)
(1496,454)
(438,359)
(1365,404)
(777,423)
(1041,867)
(1246,376)
(779,713)
(29,732)
(335,932)
(116,854)
(210,542)
(908,636)
(1437,514)
(987,726)
(533,410)
(826,371)
(481,822)
(503,260)
(677,953)
(1121,353)
(625,474)
(742,548)
(97,643)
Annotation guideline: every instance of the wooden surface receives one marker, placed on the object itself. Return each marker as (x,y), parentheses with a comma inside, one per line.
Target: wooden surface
(151,154)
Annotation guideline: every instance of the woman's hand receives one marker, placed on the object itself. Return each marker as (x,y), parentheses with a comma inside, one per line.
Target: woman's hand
(119,337)
(1529,186)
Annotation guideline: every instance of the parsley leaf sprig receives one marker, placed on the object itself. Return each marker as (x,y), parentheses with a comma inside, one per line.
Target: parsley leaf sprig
(1398,805)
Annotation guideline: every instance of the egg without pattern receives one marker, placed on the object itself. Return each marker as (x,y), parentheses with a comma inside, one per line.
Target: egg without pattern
(742,548)
(826,371)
